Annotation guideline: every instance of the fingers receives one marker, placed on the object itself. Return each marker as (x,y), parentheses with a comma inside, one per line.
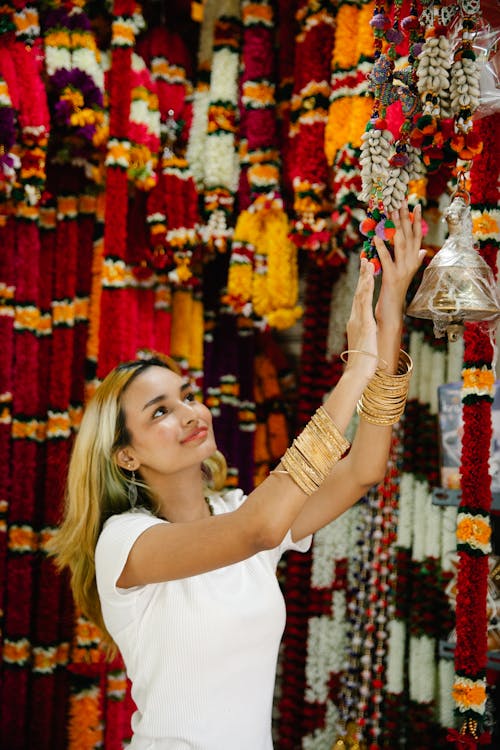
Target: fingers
(408,235)
(364,291)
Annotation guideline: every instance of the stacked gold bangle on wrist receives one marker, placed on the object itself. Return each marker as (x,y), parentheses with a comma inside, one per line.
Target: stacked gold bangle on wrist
(314,452)
(384,398)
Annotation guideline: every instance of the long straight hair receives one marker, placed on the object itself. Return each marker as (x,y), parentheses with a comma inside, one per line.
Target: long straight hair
(97,488)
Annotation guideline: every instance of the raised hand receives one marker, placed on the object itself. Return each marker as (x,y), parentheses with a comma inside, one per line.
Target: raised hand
(398,271)
(361,326)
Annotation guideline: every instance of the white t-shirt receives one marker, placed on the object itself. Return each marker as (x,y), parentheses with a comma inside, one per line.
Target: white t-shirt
(201,652)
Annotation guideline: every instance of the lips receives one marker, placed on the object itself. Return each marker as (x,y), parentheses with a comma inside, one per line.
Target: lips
(199,434)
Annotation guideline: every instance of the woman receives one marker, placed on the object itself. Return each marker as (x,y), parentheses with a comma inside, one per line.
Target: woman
(181,578)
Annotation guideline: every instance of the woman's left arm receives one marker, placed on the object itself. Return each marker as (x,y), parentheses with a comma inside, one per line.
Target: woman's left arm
(366,462)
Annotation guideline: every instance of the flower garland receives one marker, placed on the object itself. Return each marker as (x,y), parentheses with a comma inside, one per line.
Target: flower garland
(421,612)
(263,273)
(76,88)
(285,39)
(327,626)
(144,126)
(349,110)
(9,161)
(307,124)
(271,428)
(221,165)
(473,522)
(19,69)
(195,152)
(350,99)
(370,612)
(317,377)
(172,207)
(114,343)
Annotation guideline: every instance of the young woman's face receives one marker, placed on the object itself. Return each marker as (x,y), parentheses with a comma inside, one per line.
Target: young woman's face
(170,430)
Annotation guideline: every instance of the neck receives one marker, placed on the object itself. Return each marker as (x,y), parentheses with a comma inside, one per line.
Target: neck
(180,498)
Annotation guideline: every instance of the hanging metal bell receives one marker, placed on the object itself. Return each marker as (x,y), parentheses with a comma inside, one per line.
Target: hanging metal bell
(457,286)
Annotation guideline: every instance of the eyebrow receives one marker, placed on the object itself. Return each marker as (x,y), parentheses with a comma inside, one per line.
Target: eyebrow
(164,396)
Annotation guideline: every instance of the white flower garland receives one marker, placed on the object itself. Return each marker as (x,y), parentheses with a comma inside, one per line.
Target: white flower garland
(422,502)
(326,641)
(422,668)
(198,132)
(445,702)
(396,657)
(449,537)
(331,543)
(406,511)
(415,350)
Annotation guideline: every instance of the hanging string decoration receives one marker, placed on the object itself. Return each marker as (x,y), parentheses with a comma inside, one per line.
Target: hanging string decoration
(388,165)
(9,161)
(351,103)
(144,126)
(195,151)
(473,522)
(114,342)
(263,273)
(172,205)
(370,611)
(308,119)
(76,89)
(221,162)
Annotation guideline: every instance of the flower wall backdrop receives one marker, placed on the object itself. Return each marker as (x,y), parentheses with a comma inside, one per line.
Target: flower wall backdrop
(200,179)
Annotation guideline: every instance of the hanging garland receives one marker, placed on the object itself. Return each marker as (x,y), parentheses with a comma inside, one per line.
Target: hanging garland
(221,165)
(307,127)
(370,612)
(388,165)
(76,89)
(350,99)
(473,522)
(114,343)
(263,273)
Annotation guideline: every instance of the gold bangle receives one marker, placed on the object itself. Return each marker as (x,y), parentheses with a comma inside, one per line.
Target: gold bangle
(344,358)
(314,452)
(384,399)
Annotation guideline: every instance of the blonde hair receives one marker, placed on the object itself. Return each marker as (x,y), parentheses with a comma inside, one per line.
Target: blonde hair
(97,488)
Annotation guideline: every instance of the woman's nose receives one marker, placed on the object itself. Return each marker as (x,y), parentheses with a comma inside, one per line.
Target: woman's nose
(187,414)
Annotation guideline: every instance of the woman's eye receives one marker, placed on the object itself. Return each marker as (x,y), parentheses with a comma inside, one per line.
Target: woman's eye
(160,411)
(189,397)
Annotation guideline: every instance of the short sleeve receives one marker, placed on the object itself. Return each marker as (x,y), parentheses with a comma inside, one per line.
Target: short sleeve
(113,548)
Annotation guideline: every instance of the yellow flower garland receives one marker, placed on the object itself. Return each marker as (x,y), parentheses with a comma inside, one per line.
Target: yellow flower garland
(263,270)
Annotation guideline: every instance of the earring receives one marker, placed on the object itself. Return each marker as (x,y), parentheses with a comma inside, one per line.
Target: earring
(132,492)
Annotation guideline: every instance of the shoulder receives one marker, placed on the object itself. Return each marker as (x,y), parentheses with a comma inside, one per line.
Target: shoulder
(121,531)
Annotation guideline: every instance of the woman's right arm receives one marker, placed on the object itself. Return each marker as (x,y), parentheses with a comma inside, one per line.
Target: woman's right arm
(169,551)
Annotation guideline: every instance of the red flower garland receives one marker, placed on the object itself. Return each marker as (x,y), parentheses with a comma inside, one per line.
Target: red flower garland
(475,504)
(114,340)
(309,115)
